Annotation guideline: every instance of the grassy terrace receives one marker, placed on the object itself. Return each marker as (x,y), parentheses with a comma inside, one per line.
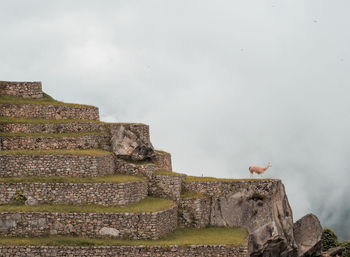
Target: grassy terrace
(148,204)
(118,178)
(56,135)
(46,100)
(44,121)
(192,194)
(210,179)
(91,152)
(181,237)
(167,173)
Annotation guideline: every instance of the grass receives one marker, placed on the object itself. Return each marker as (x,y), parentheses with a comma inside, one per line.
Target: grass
(148,204)
(43,121)
(192,194)
(103,179)
(166,173)
(89,152)
(56,135)
(46,100)
(182,237)
(211,179)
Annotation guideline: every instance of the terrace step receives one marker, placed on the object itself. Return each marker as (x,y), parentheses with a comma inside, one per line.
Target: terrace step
(144,168)
(75,191)
(103,223)
(49,111)
(21,141)
(73,163)
(16,125)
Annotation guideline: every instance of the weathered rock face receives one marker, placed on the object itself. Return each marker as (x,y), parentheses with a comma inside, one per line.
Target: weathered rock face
(128,145)
(259,206)
(308,232)
(333,252)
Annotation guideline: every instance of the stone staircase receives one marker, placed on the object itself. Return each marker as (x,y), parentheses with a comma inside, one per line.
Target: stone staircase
(65,165)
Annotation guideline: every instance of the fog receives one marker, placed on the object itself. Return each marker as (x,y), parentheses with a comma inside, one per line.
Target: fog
(222,84)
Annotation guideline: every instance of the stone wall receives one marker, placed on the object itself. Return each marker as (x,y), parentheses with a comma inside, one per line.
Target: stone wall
(194,212)
(135,168)
(124,251)
(75,112)
(76,193)
(166,186)
(21,89)
(163,160)
(56,165)
(51,143)
(72,127)
(121,225)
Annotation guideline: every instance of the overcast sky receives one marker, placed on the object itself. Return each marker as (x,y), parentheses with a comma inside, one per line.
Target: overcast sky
(222,84)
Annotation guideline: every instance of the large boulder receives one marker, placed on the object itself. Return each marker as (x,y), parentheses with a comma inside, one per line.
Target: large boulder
(127,144)
(260,206)
(308,233)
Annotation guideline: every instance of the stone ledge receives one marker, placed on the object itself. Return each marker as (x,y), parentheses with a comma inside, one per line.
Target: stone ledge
(125,251)
(21,89)
(108,194)
(100,141)
(73,127)
(152,225)
(56,165)
(49,111)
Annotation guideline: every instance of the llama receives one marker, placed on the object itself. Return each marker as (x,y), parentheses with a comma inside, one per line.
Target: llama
(258,170)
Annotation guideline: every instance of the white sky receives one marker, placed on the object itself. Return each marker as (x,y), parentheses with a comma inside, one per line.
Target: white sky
(222,84)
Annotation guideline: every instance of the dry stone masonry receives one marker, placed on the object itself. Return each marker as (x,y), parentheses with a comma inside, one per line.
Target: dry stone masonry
(21,89)
(33,143)
(122,225)
(77,193)
(48,165)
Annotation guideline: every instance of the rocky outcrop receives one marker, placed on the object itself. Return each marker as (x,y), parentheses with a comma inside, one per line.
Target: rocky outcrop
(334,252)
(259,206)
(128,145)
(308,233)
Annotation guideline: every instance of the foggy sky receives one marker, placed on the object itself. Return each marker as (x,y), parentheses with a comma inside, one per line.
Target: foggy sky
(222,84)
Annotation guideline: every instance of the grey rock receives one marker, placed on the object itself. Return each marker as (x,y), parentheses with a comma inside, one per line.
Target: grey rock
(109,232)
(128,145)
(269,222)
(6,224)
(31,201)
(308,232)
(333,252)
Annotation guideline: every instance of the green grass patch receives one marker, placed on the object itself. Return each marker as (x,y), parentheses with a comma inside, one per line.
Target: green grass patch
(117,178)
(192,194)
(56,135)
(210,179)
(45,100)
(161,151)
(88,152)
(182,237)
(44,121)
(148,204)
(166,173)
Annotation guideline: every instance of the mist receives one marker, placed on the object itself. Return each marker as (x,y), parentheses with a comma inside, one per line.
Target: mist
(222,84)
